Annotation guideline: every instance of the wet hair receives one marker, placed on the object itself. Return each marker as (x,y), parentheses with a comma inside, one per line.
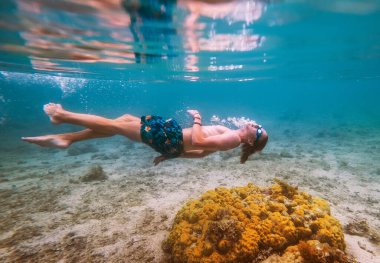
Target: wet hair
(247,150)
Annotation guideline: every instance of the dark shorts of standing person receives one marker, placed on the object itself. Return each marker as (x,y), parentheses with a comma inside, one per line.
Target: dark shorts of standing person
(164,136)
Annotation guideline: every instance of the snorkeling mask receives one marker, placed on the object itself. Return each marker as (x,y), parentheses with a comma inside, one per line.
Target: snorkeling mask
(259,132)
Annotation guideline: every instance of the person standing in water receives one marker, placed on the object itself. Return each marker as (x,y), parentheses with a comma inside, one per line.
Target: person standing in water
(164,136)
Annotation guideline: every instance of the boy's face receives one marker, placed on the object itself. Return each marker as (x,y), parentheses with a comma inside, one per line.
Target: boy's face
(250,130)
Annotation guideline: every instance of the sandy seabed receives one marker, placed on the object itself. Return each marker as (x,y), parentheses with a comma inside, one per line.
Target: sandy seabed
(49,214)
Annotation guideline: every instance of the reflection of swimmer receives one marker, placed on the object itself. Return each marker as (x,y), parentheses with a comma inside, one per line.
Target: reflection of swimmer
(153,32)
(246,11)
(165,136)
(149,35)
(232,10)
(197,39)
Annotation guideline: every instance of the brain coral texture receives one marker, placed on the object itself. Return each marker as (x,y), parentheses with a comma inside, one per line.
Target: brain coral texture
(252,224)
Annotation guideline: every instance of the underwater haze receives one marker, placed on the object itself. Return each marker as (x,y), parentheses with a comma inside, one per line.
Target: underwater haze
(308,71)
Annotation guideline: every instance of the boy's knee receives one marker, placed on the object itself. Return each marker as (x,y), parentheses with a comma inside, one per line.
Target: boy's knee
(120,126)
(126,117)
(112,127)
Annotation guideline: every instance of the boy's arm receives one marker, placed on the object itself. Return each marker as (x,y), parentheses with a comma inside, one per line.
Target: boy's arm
(159,159)
(221,142)
(196,132)
(196,154)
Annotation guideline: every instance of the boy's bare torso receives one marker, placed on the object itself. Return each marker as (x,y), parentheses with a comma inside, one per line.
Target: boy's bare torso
(207,132)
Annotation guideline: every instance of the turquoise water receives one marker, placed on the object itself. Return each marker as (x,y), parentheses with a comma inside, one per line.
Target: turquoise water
(308,71)
(259,59)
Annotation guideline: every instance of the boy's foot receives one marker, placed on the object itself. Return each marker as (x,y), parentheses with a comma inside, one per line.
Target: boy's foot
(51,141)
(53,110)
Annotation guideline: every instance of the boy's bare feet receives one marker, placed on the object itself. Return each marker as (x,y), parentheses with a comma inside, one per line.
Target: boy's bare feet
(51,141)
(53,110)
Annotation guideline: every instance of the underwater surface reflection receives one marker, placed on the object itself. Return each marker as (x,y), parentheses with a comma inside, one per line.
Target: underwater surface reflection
(68,36)
(189,40)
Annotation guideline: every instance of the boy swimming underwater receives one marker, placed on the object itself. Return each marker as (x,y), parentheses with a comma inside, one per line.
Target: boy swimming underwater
(165,136)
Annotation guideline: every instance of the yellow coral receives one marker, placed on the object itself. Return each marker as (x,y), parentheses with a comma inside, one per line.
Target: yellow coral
(248,223)
(311,251)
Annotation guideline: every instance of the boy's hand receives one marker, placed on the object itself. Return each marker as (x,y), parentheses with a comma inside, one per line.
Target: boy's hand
(193,113)
(159,159)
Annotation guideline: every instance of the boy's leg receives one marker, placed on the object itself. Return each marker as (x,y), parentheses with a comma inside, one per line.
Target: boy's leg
(64,140)
(96,123)
(126,125)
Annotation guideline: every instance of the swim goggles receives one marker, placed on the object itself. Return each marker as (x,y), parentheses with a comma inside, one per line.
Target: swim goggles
(259,132)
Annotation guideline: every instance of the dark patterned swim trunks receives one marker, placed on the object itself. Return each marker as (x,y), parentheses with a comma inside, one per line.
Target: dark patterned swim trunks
(165,136)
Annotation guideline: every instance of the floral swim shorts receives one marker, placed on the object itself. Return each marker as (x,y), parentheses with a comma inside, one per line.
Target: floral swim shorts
(164,136)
